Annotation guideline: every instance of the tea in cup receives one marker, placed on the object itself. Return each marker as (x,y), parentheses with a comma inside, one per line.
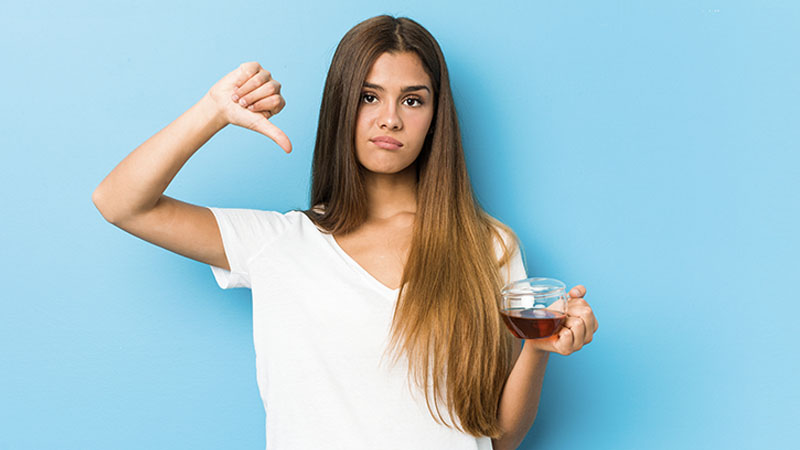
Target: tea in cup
(534,308)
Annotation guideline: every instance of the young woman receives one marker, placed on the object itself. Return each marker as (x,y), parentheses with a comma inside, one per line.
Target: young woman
(375,312)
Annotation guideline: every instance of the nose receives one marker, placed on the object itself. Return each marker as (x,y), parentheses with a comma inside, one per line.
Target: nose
(389,118)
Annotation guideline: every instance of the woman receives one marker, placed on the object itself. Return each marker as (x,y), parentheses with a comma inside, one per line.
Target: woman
(375,312)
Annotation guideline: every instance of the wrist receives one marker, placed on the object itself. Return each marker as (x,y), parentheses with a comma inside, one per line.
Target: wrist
(211,113)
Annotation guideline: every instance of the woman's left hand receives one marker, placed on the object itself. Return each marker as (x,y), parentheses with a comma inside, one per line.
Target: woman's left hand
(577,330)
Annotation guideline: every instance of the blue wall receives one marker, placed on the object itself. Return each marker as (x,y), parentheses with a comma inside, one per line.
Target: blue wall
(648,150)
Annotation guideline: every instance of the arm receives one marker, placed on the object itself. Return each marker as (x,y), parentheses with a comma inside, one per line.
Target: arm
(520,399)
(131,196)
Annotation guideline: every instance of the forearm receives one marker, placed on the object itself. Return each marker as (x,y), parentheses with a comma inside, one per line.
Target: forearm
(137,183)
(520,399)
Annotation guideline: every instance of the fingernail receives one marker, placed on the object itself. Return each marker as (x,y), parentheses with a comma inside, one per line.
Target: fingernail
(235,97)
(242,102)
(250,107)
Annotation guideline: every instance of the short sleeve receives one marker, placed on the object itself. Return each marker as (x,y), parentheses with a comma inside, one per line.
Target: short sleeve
(514,270)
(244,233)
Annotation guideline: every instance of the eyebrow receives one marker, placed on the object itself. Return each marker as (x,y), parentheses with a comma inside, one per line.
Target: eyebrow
(404,90)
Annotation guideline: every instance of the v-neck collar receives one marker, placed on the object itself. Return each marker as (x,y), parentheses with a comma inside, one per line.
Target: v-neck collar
(354,264)
(358,267)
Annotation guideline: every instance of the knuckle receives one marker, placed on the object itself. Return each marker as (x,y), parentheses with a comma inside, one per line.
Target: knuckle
(249,68)
(267,103)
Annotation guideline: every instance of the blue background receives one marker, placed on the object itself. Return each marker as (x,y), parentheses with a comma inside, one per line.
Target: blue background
(648,150)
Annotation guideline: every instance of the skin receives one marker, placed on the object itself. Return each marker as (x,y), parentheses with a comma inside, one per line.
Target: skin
(131,197)
(519,402)
(387,108)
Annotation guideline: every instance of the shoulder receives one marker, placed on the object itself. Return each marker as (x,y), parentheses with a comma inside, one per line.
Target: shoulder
(504,239)
(508,251)
(257,221)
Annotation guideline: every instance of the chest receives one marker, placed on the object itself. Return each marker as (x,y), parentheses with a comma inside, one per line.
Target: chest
(380,250)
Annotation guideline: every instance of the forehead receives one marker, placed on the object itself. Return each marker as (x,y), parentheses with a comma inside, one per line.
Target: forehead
(398,69)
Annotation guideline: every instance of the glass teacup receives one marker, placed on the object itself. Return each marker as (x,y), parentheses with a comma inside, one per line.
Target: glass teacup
(534,308)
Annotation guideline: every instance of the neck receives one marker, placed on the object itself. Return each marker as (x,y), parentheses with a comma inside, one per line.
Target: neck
(391,194)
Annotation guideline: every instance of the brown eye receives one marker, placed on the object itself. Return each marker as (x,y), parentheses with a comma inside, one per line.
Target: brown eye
(367,98)
(413,99)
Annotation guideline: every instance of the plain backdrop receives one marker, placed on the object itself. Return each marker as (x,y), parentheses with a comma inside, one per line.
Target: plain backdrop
(645,149)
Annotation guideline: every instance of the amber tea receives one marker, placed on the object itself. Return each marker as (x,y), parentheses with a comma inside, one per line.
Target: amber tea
(533,323)
(534,308)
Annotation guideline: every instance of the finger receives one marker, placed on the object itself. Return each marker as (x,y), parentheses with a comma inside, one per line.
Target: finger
(244,72)
(578,329)
(577,291)
(269,130)
(271,105)
(267,89)
(563,343)
(591,325)
(257,80)
(579,308)
(578,302)
(547,343)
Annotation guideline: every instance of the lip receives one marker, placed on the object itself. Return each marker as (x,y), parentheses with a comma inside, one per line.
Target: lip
(386,142)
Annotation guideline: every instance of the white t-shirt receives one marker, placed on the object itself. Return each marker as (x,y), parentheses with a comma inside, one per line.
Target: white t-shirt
(320,326)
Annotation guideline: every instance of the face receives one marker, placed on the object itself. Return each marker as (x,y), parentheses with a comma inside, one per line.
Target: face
(394,113)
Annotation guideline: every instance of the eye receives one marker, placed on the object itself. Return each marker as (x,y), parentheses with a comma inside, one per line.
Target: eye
(367,98)
(414,99)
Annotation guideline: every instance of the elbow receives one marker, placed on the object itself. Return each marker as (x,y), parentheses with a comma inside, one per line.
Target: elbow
(102,205)
(513,435)
(507,442)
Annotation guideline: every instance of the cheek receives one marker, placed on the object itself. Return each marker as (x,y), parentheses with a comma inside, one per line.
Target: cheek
(421,124)
(364,120)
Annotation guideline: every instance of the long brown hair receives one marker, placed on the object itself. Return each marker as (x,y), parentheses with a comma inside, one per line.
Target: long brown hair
(447,319)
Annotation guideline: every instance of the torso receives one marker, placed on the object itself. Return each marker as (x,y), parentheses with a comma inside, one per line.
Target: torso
(381,247)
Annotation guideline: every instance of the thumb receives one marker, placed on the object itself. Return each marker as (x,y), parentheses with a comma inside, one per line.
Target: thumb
(271,131)
(547,344)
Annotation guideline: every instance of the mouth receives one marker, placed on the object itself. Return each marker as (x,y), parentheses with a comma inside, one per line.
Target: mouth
(387,143)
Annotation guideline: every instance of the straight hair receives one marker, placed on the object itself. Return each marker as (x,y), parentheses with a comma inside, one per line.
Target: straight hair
(447,318)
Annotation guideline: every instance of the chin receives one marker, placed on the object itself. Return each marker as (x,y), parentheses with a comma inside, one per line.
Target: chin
(383,169)
(385,166)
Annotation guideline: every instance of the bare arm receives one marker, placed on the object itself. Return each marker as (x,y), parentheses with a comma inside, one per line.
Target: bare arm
(131,196)
(519,401)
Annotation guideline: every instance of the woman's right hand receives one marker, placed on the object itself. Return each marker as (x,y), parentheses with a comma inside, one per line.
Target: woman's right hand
(249,96)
